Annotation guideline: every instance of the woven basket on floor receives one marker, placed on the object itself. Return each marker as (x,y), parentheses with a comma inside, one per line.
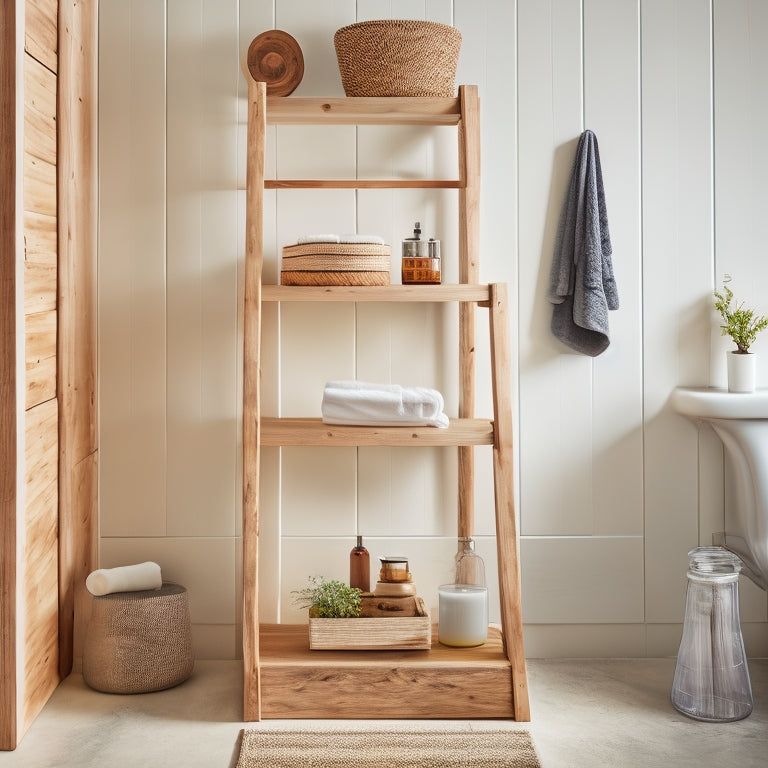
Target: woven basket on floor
(398,57)
(138,642)
(335,264)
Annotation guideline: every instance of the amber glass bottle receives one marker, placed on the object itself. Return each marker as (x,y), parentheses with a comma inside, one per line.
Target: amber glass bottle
(360,567)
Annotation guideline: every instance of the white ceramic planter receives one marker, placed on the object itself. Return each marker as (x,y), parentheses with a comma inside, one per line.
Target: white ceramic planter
(741,371)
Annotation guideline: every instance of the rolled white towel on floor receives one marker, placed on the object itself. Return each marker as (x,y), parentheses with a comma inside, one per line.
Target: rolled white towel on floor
(126,578)
(379,405)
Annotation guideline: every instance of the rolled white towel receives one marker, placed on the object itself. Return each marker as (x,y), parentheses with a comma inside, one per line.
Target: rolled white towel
(376,405)
(126,578)
(306,239)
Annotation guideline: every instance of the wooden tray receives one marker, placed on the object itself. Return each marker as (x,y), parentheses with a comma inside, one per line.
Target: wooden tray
(407,633)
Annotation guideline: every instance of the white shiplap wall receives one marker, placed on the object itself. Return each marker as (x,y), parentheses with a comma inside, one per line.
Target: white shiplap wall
(613,487)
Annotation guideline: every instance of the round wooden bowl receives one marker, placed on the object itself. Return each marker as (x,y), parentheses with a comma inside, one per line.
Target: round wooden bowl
(275,58)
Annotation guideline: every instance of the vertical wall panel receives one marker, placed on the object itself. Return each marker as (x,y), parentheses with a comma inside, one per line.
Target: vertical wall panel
(555,384)
(202,81)
(612,110)
(677,269)
(132,307)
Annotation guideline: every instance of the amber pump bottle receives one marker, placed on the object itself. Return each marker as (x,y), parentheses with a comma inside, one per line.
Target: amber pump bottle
(360,567)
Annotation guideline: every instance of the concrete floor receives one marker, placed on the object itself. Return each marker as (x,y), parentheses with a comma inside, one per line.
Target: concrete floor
(585,713)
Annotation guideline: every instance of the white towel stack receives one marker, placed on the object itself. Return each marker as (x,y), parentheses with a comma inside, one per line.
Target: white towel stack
(126,578)
(378,405)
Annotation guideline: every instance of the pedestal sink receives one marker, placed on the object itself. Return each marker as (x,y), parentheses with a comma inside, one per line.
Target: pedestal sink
(741,421)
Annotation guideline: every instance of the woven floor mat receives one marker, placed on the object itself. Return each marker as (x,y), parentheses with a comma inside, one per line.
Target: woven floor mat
(387,748)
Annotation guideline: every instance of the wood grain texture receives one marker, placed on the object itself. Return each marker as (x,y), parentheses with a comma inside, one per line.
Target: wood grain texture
(507,542)
(40,354)
(39,185)
(40,238)
(251,396)
(40,287)
(469,258)
(402,633)
(393,293)
(39,587)
(300,431)
(362,184)
(439,683)
(77,315)
(275,58)
(41,31)
(9,313)
(363,111)
(39,110)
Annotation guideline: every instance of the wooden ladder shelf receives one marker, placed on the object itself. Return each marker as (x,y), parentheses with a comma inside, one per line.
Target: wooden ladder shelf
(283,678)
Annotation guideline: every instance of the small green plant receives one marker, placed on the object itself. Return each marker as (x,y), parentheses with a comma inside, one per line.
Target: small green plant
(329,599)
(742,325)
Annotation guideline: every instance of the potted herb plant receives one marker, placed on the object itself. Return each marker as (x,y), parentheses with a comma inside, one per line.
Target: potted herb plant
(329,599)
(742,325)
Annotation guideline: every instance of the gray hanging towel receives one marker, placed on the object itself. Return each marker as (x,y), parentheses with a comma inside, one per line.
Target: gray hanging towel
(581,285)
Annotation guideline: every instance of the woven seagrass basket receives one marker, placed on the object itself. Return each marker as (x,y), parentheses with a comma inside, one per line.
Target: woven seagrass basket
(335,264)
(398,57)
(137,642)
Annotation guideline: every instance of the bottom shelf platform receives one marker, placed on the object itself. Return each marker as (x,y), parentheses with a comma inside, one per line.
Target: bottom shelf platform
(440,683)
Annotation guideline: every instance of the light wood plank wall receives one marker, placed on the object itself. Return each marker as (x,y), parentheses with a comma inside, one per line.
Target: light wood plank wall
(48,348)
(40,564)
(30,663)
(613,487)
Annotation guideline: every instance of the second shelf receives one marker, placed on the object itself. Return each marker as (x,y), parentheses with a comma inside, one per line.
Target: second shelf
(296,431)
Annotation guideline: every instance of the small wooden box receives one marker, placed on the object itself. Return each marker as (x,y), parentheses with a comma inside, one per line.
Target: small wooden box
(406,633)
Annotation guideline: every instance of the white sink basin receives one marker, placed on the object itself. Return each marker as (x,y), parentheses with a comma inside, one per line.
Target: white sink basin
(740,420)
(709,403)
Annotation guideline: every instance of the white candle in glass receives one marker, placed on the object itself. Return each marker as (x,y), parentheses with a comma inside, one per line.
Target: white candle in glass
(463,618)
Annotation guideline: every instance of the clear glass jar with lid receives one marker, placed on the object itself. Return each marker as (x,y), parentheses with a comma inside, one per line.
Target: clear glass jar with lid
(711,676)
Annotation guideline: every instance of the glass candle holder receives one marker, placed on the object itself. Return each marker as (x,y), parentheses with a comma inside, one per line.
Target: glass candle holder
(463,620)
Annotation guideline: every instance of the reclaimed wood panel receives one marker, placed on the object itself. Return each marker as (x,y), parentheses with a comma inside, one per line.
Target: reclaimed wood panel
(40,353)
(41,31)
(40,238)
(39,110)
(78,481)
(9,317)
(39,587)
(40,287)
(39,185)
